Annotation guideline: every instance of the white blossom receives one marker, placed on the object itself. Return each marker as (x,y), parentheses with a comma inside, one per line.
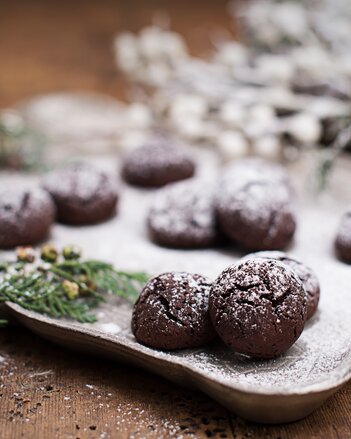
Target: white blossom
(305,128)
(232,144)
(232,114)
(138,116)
(268,146)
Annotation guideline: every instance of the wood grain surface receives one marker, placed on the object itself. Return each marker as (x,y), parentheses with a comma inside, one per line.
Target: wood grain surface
(48,392)
(45,391)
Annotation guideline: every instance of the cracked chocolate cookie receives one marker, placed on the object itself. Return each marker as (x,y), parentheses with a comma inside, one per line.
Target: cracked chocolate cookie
(254,169)
(343,238)
(183,216)
(82,193)
(172,312)
(156,164)
(258,307)
(305,274)
(257,216)
(26,216)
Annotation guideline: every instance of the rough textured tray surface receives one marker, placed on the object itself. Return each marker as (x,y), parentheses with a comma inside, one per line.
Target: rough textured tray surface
(280,390)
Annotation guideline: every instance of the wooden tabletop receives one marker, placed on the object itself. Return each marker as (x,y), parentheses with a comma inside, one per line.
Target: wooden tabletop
(46,391)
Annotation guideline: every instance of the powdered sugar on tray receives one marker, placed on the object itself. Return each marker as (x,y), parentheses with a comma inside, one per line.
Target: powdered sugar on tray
(110,327)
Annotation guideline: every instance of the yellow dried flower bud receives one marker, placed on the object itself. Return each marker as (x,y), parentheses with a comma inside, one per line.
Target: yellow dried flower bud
(71,252)
(25,254)
(71,289)
(48,253)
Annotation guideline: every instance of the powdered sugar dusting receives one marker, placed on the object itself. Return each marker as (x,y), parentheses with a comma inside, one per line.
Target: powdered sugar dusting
(254,205)
(194,287)
(110,327)
(256,201)
(21,206)
(305,274)
(157,156)
(258,307)
(185,212)
(172,311)
(252,170)
(80,180)
(20,199)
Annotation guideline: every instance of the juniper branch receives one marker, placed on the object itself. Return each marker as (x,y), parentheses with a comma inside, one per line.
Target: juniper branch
(67,288)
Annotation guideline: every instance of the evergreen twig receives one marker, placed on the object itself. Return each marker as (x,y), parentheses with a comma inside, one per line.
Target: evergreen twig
(328,156)
(21,147)
(66,288)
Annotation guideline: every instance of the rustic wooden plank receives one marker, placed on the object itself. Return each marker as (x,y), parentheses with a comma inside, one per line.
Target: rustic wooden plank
(47,392)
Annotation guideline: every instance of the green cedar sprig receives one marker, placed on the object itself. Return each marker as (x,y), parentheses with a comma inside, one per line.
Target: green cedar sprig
(64,285)
(21,147)
(327,157)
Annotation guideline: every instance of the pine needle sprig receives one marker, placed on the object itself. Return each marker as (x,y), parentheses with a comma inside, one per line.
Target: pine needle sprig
(21,147)
(121,283)
(64,286)
(46,295)
(327,157)
(96,276)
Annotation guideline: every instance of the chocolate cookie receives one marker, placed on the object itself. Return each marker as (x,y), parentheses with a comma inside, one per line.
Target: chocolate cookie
(82,193)
(183,216)
(156,164)
(343,238)
(172,312)
(26,215)
(254,169)
(258,307)
(305,274)
(257,216)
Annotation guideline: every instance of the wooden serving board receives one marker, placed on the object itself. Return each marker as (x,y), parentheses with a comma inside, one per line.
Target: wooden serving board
(280,390)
